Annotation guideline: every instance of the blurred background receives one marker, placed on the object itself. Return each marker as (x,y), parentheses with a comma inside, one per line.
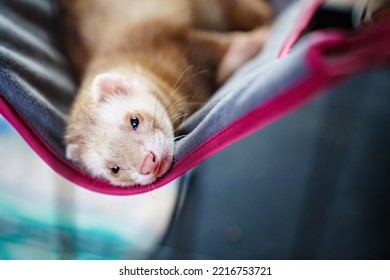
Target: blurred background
(313,185)
(42,216)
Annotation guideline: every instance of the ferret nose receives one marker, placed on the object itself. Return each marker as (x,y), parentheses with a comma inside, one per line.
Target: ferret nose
(149,165)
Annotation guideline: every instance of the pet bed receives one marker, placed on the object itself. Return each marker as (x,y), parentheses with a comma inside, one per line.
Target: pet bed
(37,87)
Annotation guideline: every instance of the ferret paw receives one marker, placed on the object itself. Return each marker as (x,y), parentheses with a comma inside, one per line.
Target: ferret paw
(242,48)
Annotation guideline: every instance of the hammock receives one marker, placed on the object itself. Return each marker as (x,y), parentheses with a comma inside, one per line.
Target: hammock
(298,63)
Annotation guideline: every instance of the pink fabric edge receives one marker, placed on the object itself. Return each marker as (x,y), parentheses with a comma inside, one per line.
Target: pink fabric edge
(57,163)
(300,26)
(320,77)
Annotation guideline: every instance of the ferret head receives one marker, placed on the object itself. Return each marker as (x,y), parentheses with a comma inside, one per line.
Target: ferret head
(126,135)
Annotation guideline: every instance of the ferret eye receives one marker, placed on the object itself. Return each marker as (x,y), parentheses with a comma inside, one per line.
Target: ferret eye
(134,122)
(115,169)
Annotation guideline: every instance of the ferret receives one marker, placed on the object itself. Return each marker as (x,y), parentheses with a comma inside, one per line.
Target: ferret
(143,66)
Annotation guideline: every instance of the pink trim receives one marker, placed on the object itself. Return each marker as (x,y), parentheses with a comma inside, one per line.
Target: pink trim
(61,165)
(358,53)
(349,54)
(35,141)
(300,26)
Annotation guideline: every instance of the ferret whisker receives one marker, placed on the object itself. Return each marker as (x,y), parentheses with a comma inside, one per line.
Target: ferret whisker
(184,110)
(181,75)
(184,106)
(150,187)
(178,106)
(179,83)
(174,89)
(179,116)
(177,87)
(94,183)
(191,102)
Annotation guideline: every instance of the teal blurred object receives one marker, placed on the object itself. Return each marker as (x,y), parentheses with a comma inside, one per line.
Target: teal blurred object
(23,237)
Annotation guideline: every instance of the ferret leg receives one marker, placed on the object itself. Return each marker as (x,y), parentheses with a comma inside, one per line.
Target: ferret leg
(231,15)
(225,52)
(242,47)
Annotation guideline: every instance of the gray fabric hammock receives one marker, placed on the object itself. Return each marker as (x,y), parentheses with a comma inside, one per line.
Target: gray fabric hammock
(37,87)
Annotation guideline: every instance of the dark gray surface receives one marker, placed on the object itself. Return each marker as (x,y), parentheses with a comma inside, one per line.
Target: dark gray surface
(35,77)
(313,185)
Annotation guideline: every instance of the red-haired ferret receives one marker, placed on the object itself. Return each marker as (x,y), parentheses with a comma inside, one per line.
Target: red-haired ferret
(143,66)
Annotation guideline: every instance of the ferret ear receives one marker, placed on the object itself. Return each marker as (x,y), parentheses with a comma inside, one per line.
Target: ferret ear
(72,152)
(108,83)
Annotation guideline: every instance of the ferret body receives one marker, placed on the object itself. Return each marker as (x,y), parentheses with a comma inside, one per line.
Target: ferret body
(143,66)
